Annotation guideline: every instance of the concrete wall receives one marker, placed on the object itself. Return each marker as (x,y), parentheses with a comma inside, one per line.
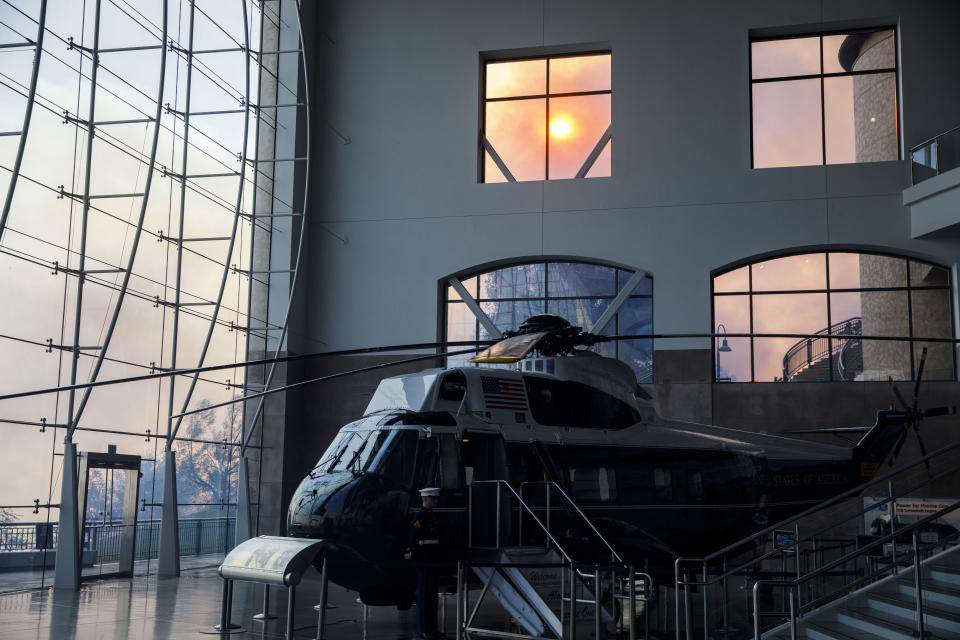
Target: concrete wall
(396,205)
(401,80)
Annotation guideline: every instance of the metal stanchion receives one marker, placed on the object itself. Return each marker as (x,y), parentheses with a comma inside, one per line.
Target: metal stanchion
(573,602)
(793,616)
(596,598)
(224,606)
(633,604)
(322,607)
(265,614)
(226,612)
(291,601)
(917,583)
(458,634)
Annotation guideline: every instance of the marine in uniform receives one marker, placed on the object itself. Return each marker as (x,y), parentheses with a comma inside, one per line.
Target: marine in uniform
(425,550)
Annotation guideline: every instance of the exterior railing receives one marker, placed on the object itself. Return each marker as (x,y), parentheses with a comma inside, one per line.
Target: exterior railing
(935,156)
(811,351)
(198,536)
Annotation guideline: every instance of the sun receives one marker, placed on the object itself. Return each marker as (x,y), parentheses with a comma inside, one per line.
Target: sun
(560,128)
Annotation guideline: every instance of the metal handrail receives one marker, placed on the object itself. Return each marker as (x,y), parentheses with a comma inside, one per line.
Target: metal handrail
(930,142)
(703,563)
(934,138)
(891,537)
(826,504)
(521,503)
(849,326)
(549,484)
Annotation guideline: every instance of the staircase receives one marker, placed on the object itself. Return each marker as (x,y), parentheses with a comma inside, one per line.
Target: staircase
(539,584)
(842,569)
(531,594)
(888,609)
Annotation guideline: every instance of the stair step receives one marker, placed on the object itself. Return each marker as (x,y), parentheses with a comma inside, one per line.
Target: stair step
(904,607)
(875,622)
(945,574)
(833,631)
(933,593)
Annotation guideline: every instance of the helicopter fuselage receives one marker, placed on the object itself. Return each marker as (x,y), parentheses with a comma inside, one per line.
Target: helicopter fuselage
(654,488)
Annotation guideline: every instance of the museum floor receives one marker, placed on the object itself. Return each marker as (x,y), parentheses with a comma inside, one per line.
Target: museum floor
(187,607)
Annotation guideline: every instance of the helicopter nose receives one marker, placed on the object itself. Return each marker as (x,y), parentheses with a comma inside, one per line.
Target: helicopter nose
(317,506)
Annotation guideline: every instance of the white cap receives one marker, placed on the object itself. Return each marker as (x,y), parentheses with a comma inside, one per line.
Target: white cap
(429,492)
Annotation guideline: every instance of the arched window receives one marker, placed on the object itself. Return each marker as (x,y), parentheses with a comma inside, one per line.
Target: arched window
(827,294)
(579,291)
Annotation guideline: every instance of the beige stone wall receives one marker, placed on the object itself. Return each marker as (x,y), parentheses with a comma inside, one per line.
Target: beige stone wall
(874,101)
(884,313)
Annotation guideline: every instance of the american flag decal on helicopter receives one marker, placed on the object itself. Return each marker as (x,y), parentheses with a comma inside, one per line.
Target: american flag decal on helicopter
(503,393)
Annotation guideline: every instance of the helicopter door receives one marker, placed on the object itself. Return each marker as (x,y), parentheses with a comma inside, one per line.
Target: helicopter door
(484,459)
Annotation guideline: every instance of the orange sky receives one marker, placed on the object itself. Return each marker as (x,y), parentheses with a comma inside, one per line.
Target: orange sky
(518,129)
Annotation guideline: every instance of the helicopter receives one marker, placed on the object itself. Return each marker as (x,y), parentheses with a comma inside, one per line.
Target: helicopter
(569,416)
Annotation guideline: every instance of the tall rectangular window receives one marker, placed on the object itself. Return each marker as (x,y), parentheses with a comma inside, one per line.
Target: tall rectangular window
(546,118)
(824,99)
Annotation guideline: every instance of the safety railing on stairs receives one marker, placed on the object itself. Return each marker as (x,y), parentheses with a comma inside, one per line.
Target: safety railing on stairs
(603,588)
(794,588)
(828,550)
(567,505)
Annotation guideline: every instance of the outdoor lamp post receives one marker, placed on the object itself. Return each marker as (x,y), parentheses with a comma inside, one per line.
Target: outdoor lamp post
(723,348)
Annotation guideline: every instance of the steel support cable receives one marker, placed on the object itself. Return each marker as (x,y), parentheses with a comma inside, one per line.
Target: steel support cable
(303,225)
(150,22)
(126,149)
(88,167)
(174,339)
(39,262)
(138,365)
(255,363)
(233,233)
(125,101)
(240,47)
(118,219)
(120,432)
(36,261)
(106,69)
(28,112)
(253,232)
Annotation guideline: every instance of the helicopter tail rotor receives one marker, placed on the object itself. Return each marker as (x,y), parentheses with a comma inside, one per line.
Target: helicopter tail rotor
(914,415)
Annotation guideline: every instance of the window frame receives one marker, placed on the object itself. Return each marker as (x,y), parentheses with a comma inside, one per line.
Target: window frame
(823,133)
(493,59)
(908,288)
(444,300)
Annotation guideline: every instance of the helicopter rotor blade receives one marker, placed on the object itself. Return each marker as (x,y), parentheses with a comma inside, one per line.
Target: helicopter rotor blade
(478,344)
(897,394)
(923,449)
(902,439)
(935,412)
(916,387)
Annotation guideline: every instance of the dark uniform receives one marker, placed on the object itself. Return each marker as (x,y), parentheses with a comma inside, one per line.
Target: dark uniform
(425,547)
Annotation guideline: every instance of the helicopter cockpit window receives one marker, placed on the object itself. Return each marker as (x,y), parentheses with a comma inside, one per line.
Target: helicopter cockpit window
(564,403)
(400,458)
(351,450)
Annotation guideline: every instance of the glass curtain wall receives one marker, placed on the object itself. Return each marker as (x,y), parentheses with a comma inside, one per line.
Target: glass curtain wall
(82,186)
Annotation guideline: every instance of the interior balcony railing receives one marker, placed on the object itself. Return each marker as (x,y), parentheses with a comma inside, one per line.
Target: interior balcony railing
(937,155)
(818,351)
(198,536)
